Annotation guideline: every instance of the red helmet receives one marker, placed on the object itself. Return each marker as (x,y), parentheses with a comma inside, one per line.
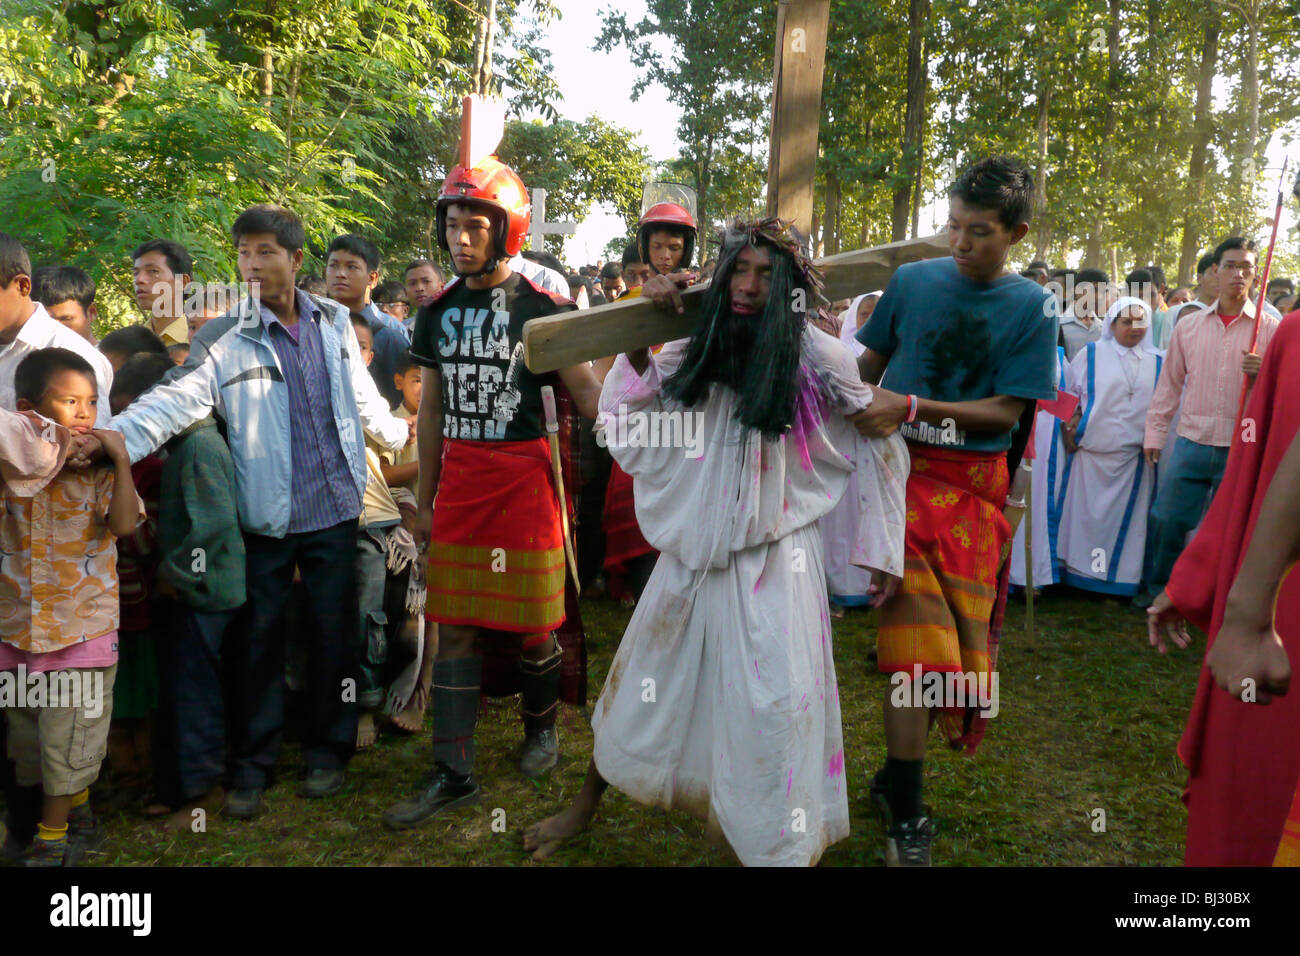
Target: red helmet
(666,214)
(493,184)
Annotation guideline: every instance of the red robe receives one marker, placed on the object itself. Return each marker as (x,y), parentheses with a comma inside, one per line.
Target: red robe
(1244,759)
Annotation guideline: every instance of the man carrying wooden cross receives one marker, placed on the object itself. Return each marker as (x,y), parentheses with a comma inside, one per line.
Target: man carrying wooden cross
(665,240)
(722,698)
(496,548)
(962,344)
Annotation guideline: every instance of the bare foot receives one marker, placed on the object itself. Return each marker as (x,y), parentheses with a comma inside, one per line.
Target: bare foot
(411,717)
(544,838)
(367,730)
(837,612)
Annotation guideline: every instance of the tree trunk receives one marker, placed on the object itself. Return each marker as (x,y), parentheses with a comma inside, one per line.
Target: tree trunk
(1043,232)
(268,74)
(704,173)
(831,221)
(484,38)
(1246,170)
(920,179)
(918,16)
(1203,132)
(1092,252)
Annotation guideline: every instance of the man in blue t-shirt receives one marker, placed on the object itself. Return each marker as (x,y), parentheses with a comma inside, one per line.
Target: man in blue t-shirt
(959,347)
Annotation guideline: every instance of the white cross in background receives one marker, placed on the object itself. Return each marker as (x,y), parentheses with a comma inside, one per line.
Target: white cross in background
(540,228)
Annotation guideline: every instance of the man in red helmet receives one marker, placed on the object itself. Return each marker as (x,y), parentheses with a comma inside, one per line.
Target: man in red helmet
(496,549)
(665,240)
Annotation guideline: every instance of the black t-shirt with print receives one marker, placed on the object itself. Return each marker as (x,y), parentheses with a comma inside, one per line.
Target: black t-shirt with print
(475,338)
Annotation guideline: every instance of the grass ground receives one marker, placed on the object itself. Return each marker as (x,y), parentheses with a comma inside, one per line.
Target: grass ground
(1089,720)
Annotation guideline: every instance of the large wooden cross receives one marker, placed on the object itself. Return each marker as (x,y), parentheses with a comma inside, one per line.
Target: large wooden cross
(798,65)
(558,341)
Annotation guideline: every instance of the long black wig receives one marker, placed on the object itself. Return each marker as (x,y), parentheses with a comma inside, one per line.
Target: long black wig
(757,357)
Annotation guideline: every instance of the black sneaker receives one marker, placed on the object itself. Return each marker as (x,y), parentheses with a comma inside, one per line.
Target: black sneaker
(909,842)
(242,804)
(322,782)
(442,790)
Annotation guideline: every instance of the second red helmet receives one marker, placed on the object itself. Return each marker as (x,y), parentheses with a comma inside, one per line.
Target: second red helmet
(666,214)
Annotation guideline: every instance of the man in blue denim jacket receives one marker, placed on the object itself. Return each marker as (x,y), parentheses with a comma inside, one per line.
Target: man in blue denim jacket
(284,373)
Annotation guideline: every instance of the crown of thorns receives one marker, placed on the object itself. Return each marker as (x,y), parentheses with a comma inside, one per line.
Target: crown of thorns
(782,234)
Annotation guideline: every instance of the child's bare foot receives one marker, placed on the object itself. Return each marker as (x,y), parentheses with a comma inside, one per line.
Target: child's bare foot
(837,611)
(411,717)
(367,730)
(544,838)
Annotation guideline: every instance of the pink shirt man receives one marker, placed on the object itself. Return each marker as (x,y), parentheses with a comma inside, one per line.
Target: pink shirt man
(1203,371)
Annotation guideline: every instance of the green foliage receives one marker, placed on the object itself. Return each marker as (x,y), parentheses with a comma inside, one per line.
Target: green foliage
(578,164)
(987,77)
(720,75)
(125,119)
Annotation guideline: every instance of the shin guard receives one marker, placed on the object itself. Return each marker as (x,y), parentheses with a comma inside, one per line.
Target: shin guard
(541,692)
(454,698)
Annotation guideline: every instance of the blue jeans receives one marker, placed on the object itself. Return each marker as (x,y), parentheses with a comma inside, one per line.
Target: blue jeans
(190,731)
(326,560)
(1195,471)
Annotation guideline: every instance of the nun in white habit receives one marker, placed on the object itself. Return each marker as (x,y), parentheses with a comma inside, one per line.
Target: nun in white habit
(1048,496)
(1108,483)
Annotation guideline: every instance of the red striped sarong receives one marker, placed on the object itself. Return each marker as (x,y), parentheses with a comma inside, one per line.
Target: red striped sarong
(623,538)
(946,616)
(496,551)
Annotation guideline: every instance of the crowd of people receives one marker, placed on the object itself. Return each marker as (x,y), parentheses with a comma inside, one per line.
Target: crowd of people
(1153,376)
(354,487)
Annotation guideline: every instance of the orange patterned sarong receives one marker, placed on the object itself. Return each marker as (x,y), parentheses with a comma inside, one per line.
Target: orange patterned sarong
(939,621)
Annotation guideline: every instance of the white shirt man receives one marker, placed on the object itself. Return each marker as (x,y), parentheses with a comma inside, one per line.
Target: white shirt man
(40,331)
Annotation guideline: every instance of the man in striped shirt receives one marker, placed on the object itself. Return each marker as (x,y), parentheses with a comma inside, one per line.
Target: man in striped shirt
(1209,352)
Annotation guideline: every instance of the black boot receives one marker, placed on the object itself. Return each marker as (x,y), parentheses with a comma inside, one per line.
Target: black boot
(541,693)
(25,804)
(454,699)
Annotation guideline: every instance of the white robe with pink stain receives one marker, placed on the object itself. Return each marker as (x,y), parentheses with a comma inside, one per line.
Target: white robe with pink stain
(722,698)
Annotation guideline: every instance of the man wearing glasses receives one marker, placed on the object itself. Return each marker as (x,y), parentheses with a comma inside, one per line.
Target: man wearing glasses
(1209,352)
(390,296)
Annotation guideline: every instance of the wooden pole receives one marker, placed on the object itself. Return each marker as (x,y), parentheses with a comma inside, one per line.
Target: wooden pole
(1029,561)
(797,67)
